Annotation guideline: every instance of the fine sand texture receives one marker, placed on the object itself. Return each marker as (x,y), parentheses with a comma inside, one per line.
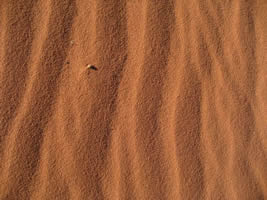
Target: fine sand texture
(133,99)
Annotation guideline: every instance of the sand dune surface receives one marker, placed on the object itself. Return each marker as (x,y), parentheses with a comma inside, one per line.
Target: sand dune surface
(174,107)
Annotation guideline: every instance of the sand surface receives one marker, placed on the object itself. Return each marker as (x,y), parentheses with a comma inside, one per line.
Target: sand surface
(175,108)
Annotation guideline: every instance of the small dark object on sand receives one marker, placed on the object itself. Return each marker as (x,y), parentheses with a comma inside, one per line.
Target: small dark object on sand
(92,67)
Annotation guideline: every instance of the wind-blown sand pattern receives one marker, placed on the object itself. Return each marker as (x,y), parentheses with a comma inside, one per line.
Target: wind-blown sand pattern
(175,107)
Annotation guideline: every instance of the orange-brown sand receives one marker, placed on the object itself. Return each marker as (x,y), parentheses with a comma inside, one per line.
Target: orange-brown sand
(133,99)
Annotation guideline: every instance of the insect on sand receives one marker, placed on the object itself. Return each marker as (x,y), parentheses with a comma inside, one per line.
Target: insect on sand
(89,66)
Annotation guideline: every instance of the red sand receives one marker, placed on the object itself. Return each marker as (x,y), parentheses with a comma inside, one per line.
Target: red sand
(175,107)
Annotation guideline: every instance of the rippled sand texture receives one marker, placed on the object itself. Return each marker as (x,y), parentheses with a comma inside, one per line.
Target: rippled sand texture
(176,108)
